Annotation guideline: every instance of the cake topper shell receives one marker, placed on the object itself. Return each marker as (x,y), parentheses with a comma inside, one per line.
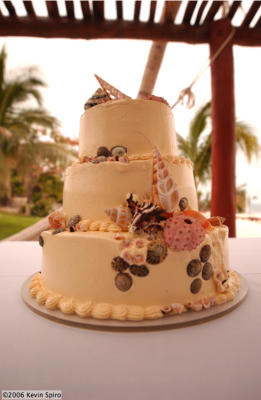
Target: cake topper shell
(165,190)
(111,91)
(120,215)
(97,98)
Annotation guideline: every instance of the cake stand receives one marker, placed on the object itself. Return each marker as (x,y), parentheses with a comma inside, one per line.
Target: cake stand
(168,322)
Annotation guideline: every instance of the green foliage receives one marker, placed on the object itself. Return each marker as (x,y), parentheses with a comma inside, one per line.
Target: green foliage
(22,130)
(197,144)
(46,193)
(17,186)
(13,223)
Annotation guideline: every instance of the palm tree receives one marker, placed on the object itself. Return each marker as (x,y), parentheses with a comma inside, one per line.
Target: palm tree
(197,145)
(22,128)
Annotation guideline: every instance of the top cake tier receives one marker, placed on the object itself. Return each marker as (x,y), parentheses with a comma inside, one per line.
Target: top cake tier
(136,124)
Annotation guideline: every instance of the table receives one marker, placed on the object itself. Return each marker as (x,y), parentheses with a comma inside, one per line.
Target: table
(219,359)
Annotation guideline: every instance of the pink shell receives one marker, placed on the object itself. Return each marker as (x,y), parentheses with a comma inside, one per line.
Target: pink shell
(183,233)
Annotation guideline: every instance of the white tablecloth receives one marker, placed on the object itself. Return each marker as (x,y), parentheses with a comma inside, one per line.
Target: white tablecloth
(219,359)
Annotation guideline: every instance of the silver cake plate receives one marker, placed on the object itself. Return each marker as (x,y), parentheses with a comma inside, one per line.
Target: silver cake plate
(168,322)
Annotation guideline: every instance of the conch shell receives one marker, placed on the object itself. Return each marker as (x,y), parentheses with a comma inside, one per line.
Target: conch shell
(165,190)
(120,215)
(110,90)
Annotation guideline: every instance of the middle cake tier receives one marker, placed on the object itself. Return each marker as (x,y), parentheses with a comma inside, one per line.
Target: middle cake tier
(91,188)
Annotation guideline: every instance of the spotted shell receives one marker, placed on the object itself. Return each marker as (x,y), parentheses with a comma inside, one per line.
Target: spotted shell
(57,219)
(166,309)
(120,215)
(165,190)
(97,98)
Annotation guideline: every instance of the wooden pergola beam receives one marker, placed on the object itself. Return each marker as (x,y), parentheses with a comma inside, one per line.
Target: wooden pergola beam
(89,29)
(223,149)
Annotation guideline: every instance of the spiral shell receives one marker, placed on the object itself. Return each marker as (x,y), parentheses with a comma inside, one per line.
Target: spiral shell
(120,215)
(165,190)
(111,91)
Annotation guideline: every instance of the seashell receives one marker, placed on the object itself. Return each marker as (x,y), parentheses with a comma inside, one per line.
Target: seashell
(123,281)
(111,91)
(118,264)
(74,220)
(41,240)
(118,151)
(83,226)
(127,256)
(140,243)
(183,204)
(166,309)
(205,253)
(200,217)
(178,308)
(139,259)
(165,189)
(207,271)
(85,159)
(125,243)
(156,253)
(119,236)
(97,98)
(196,285)
(139,270)
(59,230)
(120,215)
(103,151)
(216,221)
(194,268)
(196,307)
(183,233)
(99,159)
(124,159)
(57,219)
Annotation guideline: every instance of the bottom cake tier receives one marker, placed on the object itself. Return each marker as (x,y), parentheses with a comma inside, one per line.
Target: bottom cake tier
(126,276)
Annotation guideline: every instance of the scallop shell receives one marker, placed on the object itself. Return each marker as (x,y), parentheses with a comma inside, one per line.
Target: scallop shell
(120,215)
(165,190)
(110,90)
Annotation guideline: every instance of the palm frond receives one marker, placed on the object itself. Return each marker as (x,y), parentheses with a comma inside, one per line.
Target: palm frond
(247,141)
(183,146)
(198,124)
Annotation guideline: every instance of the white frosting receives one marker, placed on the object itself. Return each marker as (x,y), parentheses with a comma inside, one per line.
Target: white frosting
(91,188)
(135,124)
(75,267)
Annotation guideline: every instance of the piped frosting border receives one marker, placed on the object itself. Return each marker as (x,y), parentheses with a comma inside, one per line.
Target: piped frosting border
(53,301)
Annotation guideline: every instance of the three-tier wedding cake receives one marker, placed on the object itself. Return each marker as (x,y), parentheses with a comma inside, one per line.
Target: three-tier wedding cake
(129,243)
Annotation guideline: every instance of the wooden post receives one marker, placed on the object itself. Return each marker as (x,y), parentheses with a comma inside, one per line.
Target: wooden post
(223,196)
